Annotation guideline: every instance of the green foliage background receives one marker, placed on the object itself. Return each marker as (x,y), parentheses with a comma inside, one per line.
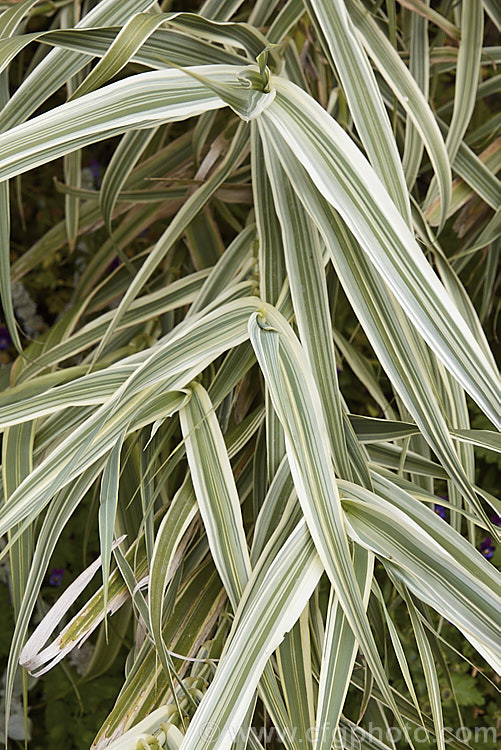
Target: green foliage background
(65,709)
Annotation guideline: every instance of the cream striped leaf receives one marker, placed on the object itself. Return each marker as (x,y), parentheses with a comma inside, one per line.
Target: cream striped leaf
(406,89)
(387,329)
(296,400)
(216,493)
(343,176)
(427,568)
(108,509)
(272,605)
(59,65)
(336,29)
(338,656)
(141,101)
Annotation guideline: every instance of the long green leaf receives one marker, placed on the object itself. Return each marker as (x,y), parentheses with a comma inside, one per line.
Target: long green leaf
(338,657)
(144,100)
(268,610)
(343,176)
(359,83)
(108,509)
(429,570)
(55,69)
(216,492)
(409,94)
(297,402)
(387,329)
(305,271)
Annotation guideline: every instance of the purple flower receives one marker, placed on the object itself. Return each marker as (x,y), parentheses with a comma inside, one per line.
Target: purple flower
(56,576)
(496,520)
(114,263)
(440,511)
(487,548)
(95,169)
(5,339)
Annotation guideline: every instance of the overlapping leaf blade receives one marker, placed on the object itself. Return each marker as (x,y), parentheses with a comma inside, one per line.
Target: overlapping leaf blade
(351,188)
(164,390)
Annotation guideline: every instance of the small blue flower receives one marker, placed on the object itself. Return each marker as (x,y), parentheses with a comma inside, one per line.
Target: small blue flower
(487,548)
(5,338)
(440,511)
(496,520)
(56,576)
(95,169)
